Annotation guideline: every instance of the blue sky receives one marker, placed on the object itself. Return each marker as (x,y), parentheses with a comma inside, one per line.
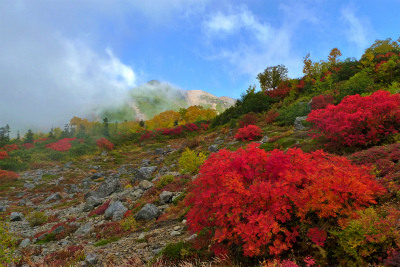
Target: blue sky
(60,58)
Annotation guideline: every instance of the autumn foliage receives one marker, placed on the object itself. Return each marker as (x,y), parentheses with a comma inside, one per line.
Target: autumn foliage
(321,101)
(358,121)
(258,199)
(6,176)
(61,145)
(248,133)
(103,143)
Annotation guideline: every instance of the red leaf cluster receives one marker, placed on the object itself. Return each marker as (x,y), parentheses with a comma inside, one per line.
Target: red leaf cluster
(28,146)
(6,176)
(271,116)
(62,145)
(103,143)
(173,131)
(258,199)
(248,133)
(3,155)
(248,119)
(10,147)
(321,101)
(281,91)
(191,127)
(100,210)
(358,121)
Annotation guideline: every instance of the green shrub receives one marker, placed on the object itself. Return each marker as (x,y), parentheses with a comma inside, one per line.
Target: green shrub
(190,163)
(287,115)
(165,180)
(177,251)
(7,245)
(36,218)
(355,85)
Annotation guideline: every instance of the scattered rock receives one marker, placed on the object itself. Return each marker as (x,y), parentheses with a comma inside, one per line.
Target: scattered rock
(24,243)
(55,196)
(190,238)
(91,258)
(142,245)
(144,173)
(16,216)
(137,194)
(84,229)
(264,140)
(2,208)
(298,123)
(73,188)
(159,151)
(97,175)
(29,185)
(116,211)
(166,197)
(145,185)
(104,153)
(107,188)
(141,236)
(58,230)
(213,148)
(175,233)
(91,203)
(148,212)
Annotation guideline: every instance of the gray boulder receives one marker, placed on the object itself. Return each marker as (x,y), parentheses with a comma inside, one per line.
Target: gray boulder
(2,208)
(91,258)
(53,197)
(137,194)
(144,173)
(16,216)
(107,188)
(213,148)
(264,140)
(91,203)
(166,197)
(145,185)
(159,151)
(148,212)
(24,243)
(145,162)
(116,211)
(298,123)
(29,185)
(84,229)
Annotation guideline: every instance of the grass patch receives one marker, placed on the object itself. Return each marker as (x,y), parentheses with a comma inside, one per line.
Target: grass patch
(104,242)
(48,176)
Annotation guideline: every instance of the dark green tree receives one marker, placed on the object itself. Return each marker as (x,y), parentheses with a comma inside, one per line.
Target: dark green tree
(141,123)
(272,77)
(51,133)
(28,137)
(105,127)
(65,133)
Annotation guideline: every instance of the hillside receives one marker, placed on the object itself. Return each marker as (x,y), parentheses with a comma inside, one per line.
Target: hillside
(304,173)
(154,97)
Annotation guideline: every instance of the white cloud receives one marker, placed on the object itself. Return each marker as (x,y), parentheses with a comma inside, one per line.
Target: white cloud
(358,30)
(264,44)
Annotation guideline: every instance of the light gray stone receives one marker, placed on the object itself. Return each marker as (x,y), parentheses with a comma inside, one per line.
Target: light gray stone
(264,140)
(84,229)
(213,148)
(116,211)
(2,208)
(137,194)
(298,123)
(148,212)
(107,188)
(145,185)
(29,185)
(144,173)
(91,203)
(91,258)
(141,236)
(166,197)
(192,237)
(24,243)
(175,233)
(53,197)
(16,216)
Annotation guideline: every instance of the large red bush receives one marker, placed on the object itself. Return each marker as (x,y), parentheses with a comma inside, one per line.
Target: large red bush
(321,101)
(358,121)
(62,145)
(3,154)
(258,199)
(103,143)
(248,133)
(6,176)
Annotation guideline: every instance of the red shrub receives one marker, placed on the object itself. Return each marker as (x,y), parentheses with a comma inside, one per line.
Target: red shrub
(146,135)
(271,116)
(103,143)
(173,132)
(321,101)
(65,257)
(109,230)
(10,148)
(100,210)
(3,154)
(191,127)
(62,145)
(6,176)
(248,119)
(386,160)
(258,199)
(28,146)
(204,126)
(281,91)
(249,132)
(358,120)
